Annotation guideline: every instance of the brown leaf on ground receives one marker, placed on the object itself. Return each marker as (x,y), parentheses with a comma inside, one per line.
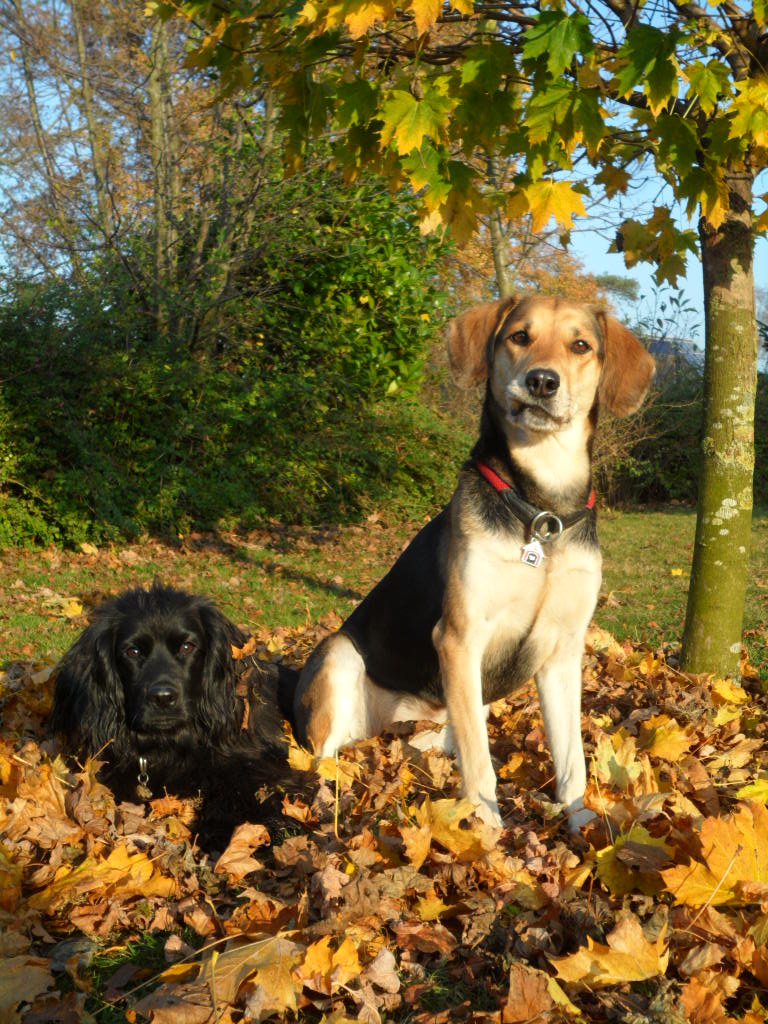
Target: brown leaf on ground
(529,1001)
(238,860)
(23,979)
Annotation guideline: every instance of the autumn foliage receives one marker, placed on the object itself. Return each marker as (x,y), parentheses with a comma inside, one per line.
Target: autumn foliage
(388,900)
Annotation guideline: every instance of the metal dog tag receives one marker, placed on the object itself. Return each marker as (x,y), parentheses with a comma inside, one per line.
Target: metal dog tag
(532,553)
(142,789)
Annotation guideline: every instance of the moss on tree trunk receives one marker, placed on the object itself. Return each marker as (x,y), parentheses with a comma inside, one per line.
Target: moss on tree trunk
(713,623)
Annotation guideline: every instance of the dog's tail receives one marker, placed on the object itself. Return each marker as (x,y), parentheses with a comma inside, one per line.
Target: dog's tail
(270,686)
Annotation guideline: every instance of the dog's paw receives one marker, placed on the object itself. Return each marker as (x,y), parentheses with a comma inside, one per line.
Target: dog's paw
(579,816)
(488,811)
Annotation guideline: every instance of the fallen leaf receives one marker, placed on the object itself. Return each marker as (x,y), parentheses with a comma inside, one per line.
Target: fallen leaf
(733,867)
(23,979)
(528,1000)
(620,875)
(382,971)
(444,819)
(661,736)
(237,860)
(265,968)
(120,874)
(616,760)
(429,908)
(725,691)
(628,956)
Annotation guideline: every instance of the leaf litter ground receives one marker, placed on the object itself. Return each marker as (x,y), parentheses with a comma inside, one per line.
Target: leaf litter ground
(388,900)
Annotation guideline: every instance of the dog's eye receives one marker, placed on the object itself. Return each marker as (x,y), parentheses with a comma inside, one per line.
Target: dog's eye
(520,338)
(132,651)
(580,346)
(187,647)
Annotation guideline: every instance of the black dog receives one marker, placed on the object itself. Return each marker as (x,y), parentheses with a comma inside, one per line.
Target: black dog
(150,687)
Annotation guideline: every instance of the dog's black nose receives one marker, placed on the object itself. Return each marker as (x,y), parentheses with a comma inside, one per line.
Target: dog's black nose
(542,383)
(163,696)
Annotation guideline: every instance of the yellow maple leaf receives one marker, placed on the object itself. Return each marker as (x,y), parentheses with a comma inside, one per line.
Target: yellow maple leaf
(332,768)
(120,874)
(616,760)
(300,758)
(661,736)
(757,790)
(264,968)
(733,867)
(444,818)
(459,214)
(558,199)
(417,840)
(726,713)
(628,956)
(324,969)
(619,878)
(317,965)
(345,963)
(725,691)
(361,15)
(425,13)
(429,908)
(72,608)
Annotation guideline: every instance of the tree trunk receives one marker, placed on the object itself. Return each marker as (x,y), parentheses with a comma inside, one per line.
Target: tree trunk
(95,136)
(161,184)
(713,623)
(499,241)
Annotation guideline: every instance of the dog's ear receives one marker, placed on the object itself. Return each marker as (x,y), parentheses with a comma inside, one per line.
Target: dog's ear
(627,368)
(88,705)
(470,340)
(219,709)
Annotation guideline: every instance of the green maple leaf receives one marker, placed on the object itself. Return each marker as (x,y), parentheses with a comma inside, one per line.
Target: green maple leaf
(678,141)
(558,37)
(709,81)
(547,109)
(356,102)
(588,117)
(649,53)
(407,120)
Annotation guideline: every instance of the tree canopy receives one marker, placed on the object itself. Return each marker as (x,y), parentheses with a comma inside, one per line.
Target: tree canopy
(581,95)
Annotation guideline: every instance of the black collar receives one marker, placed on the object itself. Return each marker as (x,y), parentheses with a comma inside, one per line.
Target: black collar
(540,523)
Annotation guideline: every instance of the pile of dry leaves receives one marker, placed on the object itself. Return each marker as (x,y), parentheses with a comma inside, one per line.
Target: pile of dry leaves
(389,901)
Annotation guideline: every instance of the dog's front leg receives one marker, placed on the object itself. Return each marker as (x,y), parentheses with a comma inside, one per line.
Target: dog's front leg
(559,685)
(462,684)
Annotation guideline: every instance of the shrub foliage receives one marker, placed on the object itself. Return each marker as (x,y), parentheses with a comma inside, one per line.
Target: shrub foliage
(292,404)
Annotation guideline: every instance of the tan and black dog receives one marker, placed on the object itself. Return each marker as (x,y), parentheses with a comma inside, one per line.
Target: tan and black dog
(501,585)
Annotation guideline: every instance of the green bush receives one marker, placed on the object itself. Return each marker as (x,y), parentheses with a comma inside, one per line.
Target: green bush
(294,403)
(658,459)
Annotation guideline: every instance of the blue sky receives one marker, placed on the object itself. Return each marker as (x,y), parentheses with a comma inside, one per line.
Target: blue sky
(592,247)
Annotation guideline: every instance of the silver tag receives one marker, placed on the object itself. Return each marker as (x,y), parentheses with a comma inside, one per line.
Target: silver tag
(532,553)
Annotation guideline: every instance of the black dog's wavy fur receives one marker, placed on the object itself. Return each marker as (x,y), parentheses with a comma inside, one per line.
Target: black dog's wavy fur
(211,756)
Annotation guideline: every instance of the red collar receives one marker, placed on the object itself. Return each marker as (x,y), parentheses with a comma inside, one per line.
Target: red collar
(500,484)
(544,525)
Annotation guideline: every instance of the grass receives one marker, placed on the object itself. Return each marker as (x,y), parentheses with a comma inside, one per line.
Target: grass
(287,576)
(646,564)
